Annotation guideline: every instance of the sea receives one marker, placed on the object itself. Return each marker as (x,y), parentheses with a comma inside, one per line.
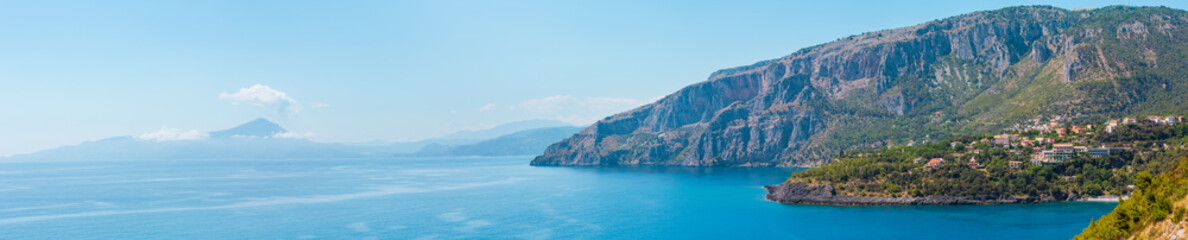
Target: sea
(466,198)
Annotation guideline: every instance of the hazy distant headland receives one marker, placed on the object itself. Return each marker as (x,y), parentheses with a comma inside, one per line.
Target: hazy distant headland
(264,139)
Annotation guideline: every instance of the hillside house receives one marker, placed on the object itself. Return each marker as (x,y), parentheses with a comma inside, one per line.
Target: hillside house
(1051,156)
(1171,120)
(1077,129)
(1063,147)
(1059,153)
(935,162)
(973,163)
(1098,152)
(1004,139)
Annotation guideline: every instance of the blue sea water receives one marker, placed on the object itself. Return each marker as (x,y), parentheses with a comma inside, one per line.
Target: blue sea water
(451,198)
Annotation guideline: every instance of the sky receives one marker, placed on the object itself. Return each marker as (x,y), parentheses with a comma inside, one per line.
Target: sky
(358,71)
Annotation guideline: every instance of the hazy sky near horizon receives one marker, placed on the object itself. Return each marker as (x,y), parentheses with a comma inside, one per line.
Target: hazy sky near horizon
(334,71)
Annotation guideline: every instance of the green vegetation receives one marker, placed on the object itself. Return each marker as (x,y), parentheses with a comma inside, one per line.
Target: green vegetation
(1122,73)
(1160,143)
(969,75)
(900,171)
(1151,203)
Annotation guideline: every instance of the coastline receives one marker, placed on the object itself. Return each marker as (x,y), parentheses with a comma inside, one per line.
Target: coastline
(1113,199)
(802,193)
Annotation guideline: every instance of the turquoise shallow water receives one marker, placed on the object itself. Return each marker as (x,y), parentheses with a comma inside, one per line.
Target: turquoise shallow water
(449,198)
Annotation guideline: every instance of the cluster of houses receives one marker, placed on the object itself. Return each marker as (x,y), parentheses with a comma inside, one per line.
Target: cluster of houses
(1058,153)
(1039,125)
(937,162)
(1055,125)
(1064,151)
(1169,120)
(1040,153)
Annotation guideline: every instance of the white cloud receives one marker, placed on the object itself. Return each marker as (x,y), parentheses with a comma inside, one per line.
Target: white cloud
(564,102)
(550,103)
(579,120)
(487,108)
(611,103)
(576,110)
(657,98)
(264,96)
(294,135)
(173,134)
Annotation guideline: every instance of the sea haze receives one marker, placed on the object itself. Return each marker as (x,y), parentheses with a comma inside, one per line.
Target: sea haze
(447,198)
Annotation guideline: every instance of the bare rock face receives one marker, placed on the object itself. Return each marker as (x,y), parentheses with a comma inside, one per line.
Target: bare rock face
(870,90)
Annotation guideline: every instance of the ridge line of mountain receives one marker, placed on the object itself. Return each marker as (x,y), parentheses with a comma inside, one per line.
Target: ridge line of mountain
(974,73)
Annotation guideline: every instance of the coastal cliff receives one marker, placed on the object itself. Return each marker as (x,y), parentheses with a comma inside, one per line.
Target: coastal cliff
(802,193)
(970,74)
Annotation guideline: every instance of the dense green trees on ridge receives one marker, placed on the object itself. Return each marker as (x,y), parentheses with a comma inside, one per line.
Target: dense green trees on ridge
(899,171)
(1152,202)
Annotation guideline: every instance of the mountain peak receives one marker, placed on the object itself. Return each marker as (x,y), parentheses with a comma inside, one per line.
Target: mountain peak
(975,73)
(259,127)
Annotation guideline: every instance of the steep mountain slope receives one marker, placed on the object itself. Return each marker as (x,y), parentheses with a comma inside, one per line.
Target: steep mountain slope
(1156,211)
(970,74)
(526,142)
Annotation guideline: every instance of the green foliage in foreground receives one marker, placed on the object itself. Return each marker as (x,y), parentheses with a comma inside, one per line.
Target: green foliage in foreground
(1151,203)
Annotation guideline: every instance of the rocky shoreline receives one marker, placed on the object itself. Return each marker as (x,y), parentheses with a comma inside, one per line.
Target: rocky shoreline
(802,193)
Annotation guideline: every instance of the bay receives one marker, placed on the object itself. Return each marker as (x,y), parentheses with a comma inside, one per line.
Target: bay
(466,198)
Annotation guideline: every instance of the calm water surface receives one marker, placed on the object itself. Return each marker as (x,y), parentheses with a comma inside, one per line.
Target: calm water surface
(450,198)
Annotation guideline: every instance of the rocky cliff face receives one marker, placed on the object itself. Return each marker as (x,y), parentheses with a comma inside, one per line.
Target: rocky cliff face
(967,74)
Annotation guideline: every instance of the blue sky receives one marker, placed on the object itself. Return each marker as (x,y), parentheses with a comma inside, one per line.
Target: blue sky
(351,71)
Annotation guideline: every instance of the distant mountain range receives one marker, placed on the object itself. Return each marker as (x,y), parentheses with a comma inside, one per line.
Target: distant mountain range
(259,128)
(504,129)
(261,138)
(526,142)
(465,137)
(977,73)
